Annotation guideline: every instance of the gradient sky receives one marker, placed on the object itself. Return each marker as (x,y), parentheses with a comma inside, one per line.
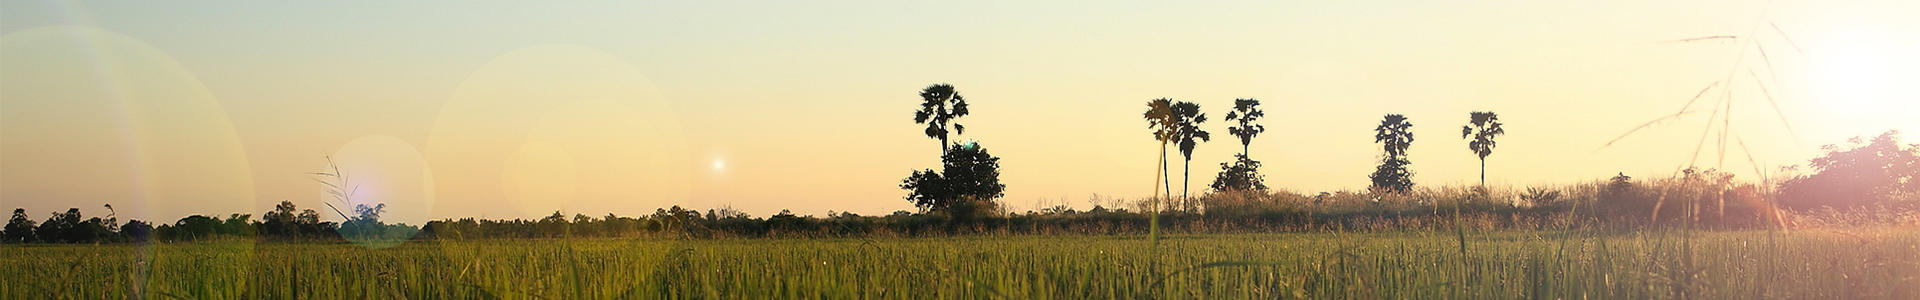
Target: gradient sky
(516,109)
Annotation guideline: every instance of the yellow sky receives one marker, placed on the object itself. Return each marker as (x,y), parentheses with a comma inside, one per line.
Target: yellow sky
(515,110)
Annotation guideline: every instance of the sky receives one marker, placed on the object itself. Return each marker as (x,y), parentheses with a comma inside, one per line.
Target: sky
(514,109)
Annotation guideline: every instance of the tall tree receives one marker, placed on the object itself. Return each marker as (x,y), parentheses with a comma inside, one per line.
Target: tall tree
(1395,134)
(1246,111)
(1243,173)
(1187,117)
(940,105)
(1482,126)
(1159,117)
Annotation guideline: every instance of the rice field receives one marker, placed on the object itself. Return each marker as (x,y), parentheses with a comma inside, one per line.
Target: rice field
(1859,263)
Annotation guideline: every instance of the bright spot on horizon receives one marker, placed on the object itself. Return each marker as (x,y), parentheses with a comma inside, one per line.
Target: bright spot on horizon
(719,164)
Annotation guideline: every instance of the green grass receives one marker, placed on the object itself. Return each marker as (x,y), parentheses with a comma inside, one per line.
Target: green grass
(1863,263)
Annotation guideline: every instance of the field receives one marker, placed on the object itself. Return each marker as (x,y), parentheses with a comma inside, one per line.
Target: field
(1861,263)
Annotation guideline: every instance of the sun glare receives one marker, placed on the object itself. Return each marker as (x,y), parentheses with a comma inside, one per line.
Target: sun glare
(1851,77)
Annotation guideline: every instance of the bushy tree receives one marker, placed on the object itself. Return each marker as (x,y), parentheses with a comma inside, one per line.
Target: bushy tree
(19,228)
(63,228)
(1394,134)
(137,231)
(1879,171)
(964,188)
(1242,174)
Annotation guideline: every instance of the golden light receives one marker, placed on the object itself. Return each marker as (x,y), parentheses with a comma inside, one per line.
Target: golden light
(1851,73)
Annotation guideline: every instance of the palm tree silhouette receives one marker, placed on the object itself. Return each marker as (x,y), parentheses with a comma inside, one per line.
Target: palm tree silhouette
(1482,126)
(1395,134)
(1160,118)
(1187,118)
(940,105)
(1246,111)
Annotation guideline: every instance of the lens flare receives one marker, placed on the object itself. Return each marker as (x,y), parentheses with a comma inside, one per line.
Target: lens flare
(90,117)
(558,127)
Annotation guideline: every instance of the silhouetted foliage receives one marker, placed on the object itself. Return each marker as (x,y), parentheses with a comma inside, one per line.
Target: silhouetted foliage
(71,227)
(1394,134)
(1187,118)
(19,228)
(1482,126)
(1246,111)
(940,105)
(966,186)
(137,231)
(1865,173)
(1160,118)
(1241,175)
(1244,172)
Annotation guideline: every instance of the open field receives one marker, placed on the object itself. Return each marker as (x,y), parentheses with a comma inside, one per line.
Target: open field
(1861,263)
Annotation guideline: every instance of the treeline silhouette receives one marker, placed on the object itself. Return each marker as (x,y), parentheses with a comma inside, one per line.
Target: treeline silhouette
(1873,181)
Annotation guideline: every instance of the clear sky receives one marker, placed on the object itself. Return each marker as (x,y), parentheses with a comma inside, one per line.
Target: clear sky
(518,108)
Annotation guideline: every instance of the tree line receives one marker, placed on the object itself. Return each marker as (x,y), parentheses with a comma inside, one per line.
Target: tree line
(963,195)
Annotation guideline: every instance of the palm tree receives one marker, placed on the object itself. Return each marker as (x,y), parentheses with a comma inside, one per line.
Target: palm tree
(1187,118)
(940,105)
(1246,111)
(1160,118)
(1395,134)
(1482,126)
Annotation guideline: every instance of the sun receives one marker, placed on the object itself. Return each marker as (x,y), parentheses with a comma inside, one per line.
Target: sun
(1851,74)
(1857,81)
(719,165)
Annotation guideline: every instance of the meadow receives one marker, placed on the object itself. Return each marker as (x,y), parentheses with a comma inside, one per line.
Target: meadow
(1752,264)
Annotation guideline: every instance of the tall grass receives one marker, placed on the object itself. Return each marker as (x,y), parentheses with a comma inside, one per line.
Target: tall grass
(1863,263)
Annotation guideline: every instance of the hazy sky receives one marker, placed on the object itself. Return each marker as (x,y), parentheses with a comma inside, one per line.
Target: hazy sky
(520,108)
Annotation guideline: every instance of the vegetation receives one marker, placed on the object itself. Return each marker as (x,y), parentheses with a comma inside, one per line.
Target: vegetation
(965,188)
(1394,134)
(1482,126)
(1188,135)
(940,105)
(1862,174)
(1861,263)
(1243,173)
(1698,234)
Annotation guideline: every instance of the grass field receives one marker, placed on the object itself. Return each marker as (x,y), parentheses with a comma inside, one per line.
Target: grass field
(1861,263)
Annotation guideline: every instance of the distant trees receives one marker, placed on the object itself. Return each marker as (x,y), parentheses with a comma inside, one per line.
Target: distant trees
(969,180)
(72,227)
(1187,118)
(1863,173)
(19,228)
(284,222)
(965,188)
(1482,126)
(940,105)
(1394,134)
(1244,173)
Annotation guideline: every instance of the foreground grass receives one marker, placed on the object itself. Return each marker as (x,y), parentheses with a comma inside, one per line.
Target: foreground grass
(1863,263)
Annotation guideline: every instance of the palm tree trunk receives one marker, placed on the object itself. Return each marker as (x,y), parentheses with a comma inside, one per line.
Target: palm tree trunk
(1483,173)
(943,148)
(1168,180)
(1186,171)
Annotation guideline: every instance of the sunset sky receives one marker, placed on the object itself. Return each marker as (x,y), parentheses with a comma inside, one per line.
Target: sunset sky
(511,109)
